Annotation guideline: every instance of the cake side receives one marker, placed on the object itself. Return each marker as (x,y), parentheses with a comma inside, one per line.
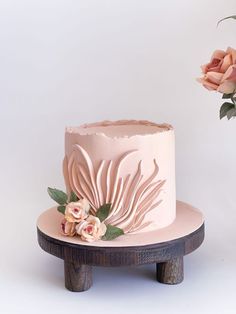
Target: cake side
(129,164)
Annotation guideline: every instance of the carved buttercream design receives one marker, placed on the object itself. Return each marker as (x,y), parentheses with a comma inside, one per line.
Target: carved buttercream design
(131,197)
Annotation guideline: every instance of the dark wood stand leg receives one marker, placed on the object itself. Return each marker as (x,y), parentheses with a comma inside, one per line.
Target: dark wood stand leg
(77,277)
(171,272)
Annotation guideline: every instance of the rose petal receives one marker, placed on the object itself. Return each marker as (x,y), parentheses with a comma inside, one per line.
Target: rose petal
(87,235)
(230,74)
(214,77)
(204,68)
(81,226)
(214,66)
(94,220)
(227,87)
(103,229)
(207,85)
(84,204)
(70,218)
(67,228)
(227,61)
(232,51)
(218,54)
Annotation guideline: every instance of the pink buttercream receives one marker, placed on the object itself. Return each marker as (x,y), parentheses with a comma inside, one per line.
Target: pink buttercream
(127,163)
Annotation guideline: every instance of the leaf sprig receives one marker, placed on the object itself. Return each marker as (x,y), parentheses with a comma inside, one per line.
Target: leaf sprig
(112,232)
(62,198)
(226,18)
(228,109)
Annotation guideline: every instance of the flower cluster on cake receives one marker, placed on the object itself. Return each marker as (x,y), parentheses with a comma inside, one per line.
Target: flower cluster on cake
(119,177)
(78,220)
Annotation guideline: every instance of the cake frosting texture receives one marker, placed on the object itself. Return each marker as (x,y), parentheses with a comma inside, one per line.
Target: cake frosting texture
(129,164)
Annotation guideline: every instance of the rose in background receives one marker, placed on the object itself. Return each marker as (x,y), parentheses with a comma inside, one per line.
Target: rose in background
(220,72)
(220,75)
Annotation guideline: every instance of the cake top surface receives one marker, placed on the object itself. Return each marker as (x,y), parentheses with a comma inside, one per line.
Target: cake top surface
(120,128)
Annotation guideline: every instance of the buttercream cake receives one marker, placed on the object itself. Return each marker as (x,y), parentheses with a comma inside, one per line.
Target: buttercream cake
(127,164)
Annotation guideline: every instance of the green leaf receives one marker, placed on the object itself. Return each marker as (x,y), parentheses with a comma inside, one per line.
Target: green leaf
(73,197)
(227,96)
(61,209)
(58,196)
(112,233)
(225,108)
(231,113)
(103,211)
(226,18)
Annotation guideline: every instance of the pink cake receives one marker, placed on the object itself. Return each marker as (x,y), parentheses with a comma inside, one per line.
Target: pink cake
(128,164)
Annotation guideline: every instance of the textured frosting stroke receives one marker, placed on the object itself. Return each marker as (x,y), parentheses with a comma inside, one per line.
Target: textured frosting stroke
(132,196)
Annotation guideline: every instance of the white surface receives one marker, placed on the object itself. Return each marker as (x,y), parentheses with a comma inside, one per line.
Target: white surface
(188,219)
(70,62)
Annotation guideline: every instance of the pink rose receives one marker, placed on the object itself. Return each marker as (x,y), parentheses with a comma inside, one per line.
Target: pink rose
(68,228)
(220,72)
(91,229)
(77,211)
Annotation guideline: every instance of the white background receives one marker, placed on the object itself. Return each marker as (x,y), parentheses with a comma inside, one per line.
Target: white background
(70,62)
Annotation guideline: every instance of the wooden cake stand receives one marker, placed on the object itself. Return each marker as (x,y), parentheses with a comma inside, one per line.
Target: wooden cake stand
(165,247)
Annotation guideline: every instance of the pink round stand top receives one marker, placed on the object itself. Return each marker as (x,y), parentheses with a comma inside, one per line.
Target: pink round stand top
(188,219)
